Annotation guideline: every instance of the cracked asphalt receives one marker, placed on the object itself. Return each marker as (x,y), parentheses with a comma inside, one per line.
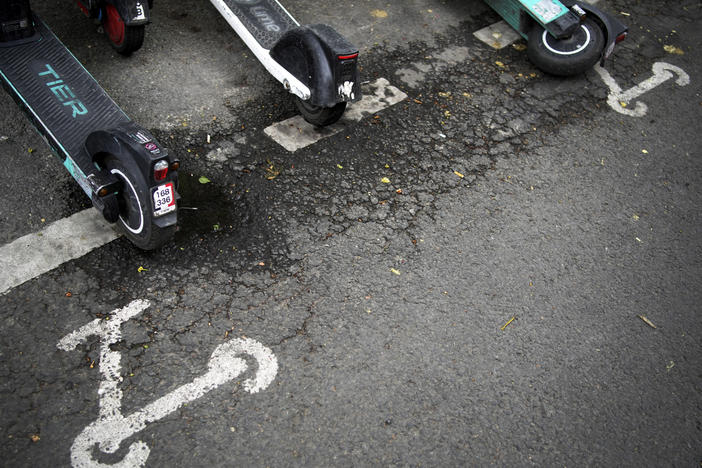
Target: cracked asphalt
(459,279)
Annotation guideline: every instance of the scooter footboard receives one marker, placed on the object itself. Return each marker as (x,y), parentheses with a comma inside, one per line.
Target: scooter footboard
(323,60)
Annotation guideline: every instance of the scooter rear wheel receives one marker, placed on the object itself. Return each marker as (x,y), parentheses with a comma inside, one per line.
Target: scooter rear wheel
(570,56)
(124,39)
(135,217)
(318,115)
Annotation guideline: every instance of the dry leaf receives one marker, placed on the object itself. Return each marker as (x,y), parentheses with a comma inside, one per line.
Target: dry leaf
(647,321)
(673,50)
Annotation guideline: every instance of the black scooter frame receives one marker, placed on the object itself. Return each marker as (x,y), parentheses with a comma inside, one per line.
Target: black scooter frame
(113,159)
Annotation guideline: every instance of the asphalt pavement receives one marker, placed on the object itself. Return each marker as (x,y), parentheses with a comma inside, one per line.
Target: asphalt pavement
(502,269)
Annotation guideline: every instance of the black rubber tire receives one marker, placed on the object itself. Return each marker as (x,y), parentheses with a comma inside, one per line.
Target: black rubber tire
(124,39)
(566,57)
(135,215)
(320,116)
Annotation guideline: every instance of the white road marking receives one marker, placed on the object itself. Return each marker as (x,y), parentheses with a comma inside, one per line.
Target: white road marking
(619,100)
(59,242)
(295,133)
(498,35)
(111,427)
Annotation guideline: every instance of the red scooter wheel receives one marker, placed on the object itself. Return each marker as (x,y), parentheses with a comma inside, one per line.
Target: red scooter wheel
(125,39)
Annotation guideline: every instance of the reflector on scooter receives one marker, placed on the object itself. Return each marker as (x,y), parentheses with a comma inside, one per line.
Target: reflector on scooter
(348,57)
(160,170)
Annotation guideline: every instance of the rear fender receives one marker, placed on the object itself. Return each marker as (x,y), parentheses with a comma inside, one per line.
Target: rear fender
(135,147)
(611,27)
(323,60)
(133,12)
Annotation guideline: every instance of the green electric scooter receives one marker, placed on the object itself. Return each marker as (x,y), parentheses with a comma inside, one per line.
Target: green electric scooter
(564,38)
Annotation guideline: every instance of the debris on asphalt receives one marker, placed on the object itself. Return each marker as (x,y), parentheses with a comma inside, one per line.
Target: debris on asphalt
(673,50)
(508,322)
(647,321)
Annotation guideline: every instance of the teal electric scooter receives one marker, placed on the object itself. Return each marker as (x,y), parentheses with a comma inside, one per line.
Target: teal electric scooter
(564,38)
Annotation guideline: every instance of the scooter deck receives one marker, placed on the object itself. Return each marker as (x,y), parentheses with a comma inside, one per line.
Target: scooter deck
(63,100)
(265,20)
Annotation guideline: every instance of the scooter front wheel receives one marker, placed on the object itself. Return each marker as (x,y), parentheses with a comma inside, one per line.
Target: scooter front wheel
(569,56)
(135,216)
(318,115)
(124,39)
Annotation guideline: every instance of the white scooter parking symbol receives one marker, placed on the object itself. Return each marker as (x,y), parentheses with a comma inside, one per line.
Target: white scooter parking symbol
(111,427)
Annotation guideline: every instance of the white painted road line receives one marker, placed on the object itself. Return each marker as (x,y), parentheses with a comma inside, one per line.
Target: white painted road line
(61,241)
(498,35)
(295,133)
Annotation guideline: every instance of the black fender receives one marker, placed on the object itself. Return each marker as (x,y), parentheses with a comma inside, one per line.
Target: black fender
(137,149)
(133,12)
(611,27)
(322,60)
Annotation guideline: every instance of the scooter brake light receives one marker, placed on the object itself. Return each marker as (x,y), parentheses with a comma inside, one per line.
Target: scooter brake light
(621,37)
(348,57)
(160,170)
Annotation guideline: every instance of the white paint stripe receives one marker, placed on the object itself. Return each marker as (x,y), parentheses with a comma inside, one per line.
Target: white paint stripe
(61,241)
(498,35)
(295,133)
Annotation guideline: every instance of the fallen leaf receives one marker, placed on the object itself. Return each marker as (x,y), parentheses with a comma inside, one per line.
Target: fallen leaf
(385,180)
(459,174)
(519,46)
(500,64)
(141,268)
(673,50)
(644,151)
(647,321)
(670,365)
(379,14)
(69,294)
(203,180)
(35,437)
(394,271)
(339,166)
